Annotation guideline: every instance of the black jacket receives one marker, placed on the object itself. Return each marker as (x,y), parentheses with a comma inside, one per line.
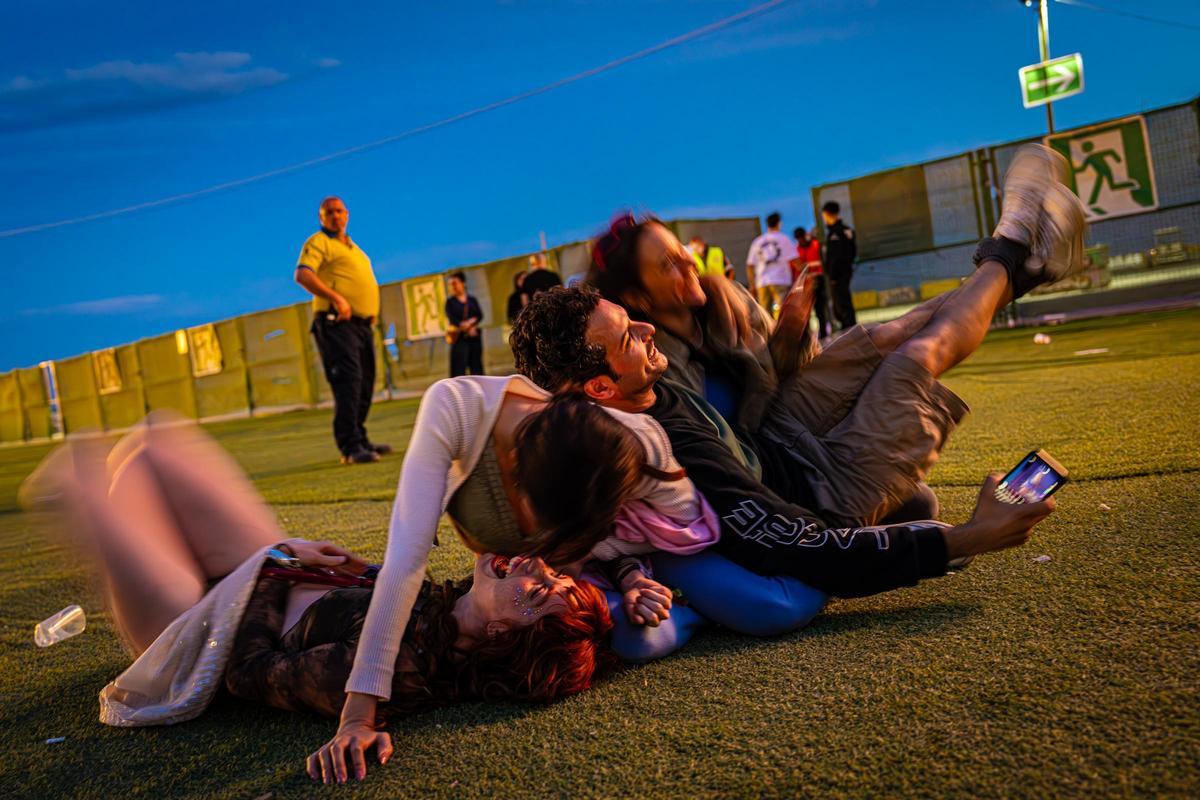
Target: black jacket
(770,535)
(841,248)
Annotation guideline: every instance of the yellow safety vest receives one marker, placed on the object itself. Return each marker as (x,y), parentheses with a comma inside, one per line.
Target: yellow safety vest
(715,258)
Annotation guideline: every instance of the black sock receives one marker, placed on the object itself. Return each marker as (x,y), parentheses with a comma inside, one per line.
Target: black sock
(1012,255)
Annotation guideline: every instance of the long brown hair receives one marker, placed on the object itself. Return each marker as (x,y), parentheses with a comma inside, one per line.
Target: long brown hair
(556,656)
(577,465)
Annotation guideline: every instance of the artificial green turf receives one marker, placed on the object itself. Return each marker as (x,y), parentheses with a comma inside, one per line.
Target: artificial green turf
(1014,678)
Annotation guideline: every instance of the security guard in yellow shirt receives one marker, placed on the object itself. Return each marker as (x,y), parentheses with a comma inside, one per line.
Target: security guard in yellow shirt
(345,303)
(710,259)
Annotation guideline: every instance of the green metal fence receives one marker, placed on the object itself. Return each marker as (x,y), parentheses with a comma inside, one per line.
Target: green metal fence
(266,361)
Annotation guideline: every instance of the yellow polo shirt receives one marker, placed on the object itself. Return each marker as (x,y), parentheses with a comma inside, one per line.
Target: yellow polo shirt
(346,269)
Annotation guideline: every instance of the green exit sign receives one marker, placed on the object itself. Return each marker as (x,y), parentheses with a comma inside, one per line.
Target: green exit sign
(1051,80)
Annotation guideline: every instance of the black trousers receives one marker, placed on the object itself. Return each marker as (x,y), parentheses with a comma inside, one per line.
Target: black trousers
(843,304)
(821,305)
(348,355)
(466,356)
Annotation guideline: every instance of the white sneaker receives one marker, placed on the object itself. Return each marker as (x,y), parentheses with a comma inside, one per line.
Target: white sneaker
(1040,212)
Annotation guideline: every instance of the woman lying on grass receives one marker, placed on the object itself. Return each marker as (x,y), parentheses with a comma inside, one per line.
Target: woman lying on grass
(519,471)
(170,512)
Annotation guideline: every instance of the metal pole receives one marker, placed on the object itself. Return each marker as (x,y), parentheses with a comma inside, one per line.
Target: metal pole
(1044,46)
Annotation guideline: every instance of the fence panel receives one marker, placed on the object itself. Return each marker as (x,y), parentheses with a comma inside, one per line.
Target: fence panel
(277,359)
(573,259)
(126,405)
(167,373)
(225,392)
(35,403)
(12,416)
(732,235)
(78,398)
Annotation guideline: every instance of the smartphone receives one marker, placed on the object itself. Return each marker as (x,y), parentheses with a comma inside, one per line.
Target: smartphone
(1034,479)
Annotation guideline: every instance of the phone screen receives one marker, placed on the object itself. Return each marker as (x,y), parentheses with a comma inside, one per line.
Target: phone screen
(1031,481)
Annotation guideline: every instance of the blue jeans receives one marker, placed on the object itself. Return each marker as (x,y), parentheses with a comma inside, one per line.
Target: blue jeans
(719,591)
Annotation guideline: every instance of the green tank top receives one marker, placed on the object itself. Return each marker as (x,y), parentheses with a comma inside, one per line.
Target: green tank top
(482,512)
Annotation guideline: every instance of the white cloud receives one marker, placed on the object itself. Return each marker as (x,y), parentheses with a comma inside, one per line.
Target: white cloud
(116,88)
(203,73)
(327,63)
(124,304)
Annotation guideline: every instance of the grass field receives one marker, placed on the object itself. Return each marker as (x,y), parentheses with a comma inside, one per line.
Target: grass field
(1076,676)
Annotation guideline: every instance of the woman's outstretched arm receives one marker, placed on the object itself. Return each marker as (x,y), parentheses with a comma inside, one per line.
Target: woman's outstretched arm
(438,438)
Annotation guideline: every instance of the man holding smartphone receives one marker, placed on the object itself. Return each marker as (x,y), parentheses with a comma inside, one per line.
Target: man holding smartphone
(345,293)
(807,493)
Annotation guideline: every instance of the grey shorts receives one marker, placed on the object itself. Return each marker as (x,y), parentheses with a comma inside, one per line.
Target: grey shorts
(864,427)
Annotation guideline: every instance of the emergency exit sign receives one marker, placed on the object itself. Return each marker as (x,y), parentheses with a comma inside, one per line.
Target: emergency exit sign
(1051,80)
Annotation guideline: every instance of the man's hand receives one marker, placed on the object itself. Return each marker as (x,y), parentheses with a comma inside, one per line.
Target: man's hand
(326,554)
(646,601)
(996,525)
(341,307)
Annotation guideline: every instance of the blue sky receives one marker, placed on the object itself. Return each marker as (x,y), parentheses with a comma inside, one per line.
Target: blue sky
(107,105)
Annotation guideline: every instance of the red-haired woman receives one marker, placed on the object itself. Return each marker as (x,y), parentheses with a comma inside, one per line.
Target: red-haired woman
(168,512)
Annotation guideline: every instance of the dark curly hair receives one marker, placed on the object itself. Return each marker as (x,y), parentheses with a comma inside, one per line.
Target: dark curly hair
(549,339)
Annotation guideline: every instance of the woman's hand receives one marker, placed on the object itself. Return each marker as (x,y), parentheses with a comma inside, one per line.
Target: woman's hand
(726,311)
(356,735)
(326,554)
(645,600)
(328,764)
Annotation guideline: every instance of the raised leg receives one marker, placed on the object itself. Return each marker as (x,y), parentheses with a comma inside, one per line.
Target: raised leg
(958,326)
(217,511)
(150,574)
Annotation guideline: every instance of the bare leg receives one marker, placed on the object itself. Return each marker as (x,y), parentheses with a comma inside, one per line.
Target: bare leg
(220,515)
(889,335)
(150,575)
(959,325)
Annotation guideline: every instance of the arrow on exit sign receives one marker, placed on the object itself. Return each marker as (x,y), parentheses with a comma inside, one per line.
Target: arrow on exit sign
(1051,80)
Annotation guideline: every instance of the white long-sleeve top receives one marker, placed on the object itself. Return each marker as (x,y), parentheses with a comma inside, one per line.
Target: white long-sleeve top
(454,425)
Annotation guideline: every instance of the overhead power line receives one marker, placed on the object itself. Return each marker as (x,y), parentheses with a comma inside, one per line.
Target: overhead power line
(750,13)
(1120,13)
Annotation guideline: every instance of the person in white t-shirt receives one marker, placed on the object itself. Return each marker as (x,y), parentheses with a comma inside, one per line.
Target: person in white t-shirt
(769,265)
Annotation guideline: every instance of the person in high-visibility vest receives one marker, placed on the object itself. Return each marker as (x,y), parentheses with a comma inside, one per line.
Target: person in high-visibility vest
(710,259)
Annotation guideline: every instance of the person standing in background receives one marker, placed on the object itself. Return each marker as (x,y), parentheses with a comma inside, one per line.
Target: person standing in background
(539,278)
(517,300)
(345,293)
(810,258)
(840,251)
(768,265)
(463,315)
(710,259)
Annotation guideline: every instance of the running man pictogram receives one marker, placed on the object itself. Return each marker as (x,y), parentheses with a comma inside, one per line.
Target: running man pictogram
(1099,161)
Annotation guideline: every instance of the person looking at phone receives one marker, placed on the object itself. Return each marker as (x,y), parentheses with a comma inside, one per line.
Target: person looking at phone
(338,274)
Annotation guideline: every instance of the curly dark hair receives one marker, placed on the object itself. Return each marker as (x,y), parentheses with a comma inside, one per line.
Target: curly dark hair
(549,339)
(556,656)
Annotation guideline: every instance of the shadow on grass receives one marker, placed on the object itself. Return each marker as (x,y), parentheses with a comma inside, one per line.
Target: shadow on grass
(911,621)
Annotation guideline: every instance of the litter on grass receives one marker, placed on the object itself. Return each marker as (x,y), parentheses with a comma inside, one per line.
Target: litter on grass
(1042,559)
(1041,338)
(1105,507)
(56,740)
(1094,351)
